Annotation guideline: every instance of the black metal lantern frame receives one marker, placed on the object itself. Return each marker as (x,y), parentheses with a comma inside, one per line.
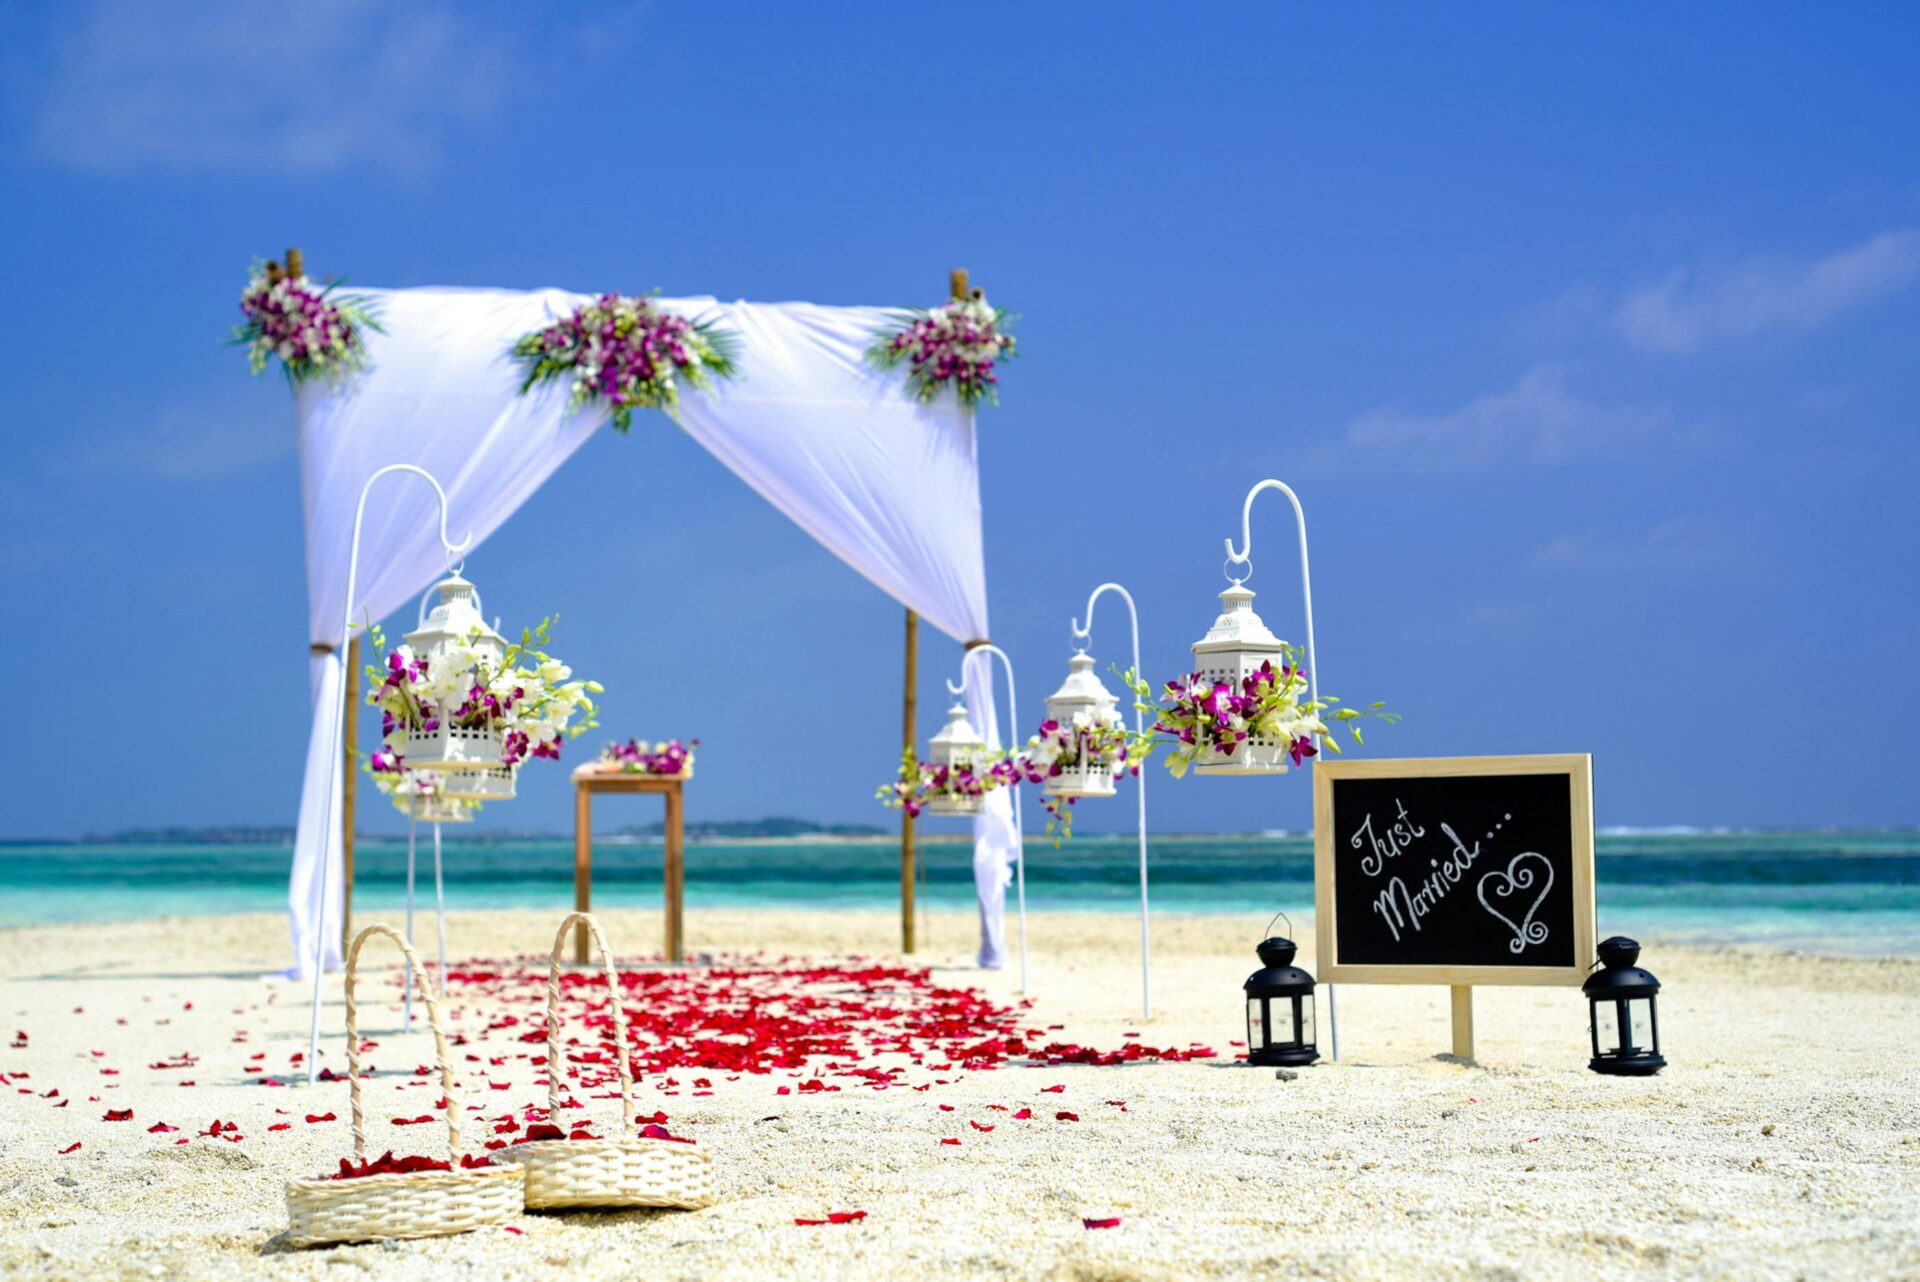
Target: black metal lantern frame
(1280,1015)
(1623,1010)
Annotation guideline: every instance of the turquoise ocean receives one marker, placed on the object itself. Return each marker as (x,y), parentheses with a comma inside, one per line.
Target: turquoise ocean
(1847,893)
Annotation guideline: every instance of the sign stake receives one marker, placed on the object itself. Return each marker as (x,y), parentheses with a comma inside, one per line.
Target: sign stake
(1462,1021)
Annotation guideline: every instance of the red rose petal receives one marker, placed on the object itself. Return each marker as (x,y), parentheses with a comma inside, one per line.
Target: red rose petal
(1023,1115)
(321,1117)
(118,1115)
(1052,1090)
(1110,1222)
(281,1126)
(1064,1116)
(955,1143)
(70,1148)
(160,1128)
(978,1126)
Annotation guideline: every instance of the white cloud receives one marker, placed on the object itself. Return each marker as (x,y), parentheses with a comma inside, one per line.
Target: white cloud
(133,85)
(1679,543)
(1540,419)
(1692,308)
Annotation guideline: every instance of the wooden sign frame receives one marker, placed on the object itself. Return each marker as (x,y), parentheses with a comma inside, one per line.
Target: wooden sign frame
(1578,767)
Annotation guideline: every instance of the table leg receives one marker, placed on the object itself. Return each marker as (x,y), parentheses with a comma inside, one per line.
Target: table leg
(675,875)
(582,866)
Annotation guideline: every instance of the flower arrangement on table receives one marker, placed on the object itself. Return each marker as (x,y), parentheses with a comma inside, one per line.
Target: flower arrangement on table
(313,330)
(527,696)
(955,345)
(1204,720)
(672,759)
(923,783)
(627,353)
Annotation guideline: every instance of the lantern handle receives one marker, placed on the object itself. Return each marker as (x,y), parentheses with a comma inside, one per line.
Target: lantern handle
(1276,917)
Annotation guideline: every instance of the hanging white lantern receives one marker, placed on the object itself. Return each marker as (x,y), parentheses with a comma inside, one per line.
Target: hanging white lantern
(957,746)
(1233,650)
(1082,700)
(455,626)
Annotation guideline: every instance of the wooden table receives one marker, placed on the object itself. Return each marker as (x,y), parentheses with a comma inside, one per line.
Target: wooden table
(588,780)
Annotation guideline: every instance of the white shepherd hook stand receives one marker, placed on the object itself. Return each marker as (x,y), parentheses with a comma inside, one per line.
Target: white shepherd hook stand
(1019,837)
(454,551)
(1085,636)
(1244,560)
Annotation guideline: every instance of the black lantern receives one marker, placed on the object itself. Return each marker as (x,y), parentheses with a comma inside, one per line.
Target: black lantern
(1626,1027)
(1279,1008)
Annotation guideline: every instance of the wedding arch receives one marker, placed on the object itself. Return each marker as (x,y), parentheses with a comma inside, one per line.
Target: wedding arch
(887,483)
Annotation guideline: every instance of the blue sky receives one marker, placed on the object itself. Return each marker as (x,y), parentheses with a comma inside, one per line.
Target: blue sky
(1586,336)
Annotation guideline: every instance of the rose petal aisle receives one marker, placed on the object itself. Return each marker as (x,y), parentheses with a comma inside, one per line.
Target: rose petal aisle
(404,1197)
(569,1168)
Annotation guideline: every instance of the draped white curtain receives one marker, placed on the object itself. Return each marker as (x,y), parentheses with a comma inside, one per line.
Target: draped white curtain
(890,486)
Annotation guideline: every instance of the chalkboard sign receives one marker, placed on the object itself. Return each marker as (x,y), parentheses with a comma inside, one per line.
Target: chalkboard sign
(1454,870)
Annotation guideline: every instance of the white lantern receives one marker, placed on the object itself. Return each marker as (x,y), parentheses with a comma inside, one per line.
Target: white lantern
(957,746)
(1233,649)
(455,620)
(1084,696)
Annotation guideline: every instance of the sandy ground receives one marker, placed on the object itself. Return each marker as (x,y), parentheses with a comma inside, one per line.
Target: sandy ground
(1784,1141)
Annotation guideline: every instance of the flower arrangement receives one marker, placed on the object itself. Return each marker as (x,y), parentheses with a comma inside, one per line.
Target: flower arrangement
(633,757)
(315,331)
(527,695)
(627,352)
(1084,745)
(1202,719)
(388,1164)
(922,783)
(953,346)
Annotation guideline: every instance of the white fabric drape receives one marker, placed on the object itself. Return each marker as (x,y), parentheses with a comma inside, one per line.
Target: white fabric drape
(890,486)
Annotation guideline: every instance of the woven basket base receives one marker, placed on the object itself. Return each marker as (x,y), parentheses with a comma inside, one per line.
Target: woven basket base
(616,1172)
(423,1204)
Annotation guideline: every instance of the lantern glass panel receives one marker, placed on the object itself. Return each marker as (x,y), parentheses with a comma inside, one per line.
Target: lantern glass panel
(1306,1020)
(1606,1028)
(1640,1023)
(1256,1022)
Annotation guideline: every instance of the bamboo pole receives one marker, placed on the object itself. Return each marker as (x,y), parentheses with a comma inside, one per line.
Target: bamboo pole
(350,745)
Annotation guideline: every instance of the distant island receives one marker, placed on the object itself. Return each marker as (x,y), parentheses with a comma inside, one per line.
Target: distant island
(775,828)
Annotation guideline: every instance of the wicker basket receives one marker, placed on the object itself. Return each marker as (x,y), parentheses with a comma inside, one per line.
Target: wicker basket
(628,1171)
(421,1204)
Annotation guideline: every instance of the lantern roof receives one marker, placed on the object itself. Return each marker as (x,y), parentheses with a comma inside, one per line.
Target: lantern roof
(1620,976)
(956,737)
(1238,627)
(456,617)
(1082,690)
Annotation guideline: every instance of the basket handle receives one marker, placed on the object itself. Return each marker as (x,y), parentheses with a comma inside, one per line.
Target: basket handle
(553,1017)
(425,989)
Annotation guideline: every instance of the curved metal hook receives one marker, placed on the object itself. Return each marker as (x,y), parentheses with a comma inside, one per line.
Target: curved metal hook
(452,549)
(1086,633)
(1246,519)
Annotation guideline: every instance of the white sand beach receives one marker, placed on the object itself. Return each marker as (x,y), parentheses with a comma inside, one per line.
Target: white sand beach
(1783,1142)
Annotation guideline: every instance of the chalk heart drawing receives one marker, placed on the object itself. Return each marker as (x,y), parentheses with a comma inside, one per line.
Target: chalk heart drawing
(1509,887)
